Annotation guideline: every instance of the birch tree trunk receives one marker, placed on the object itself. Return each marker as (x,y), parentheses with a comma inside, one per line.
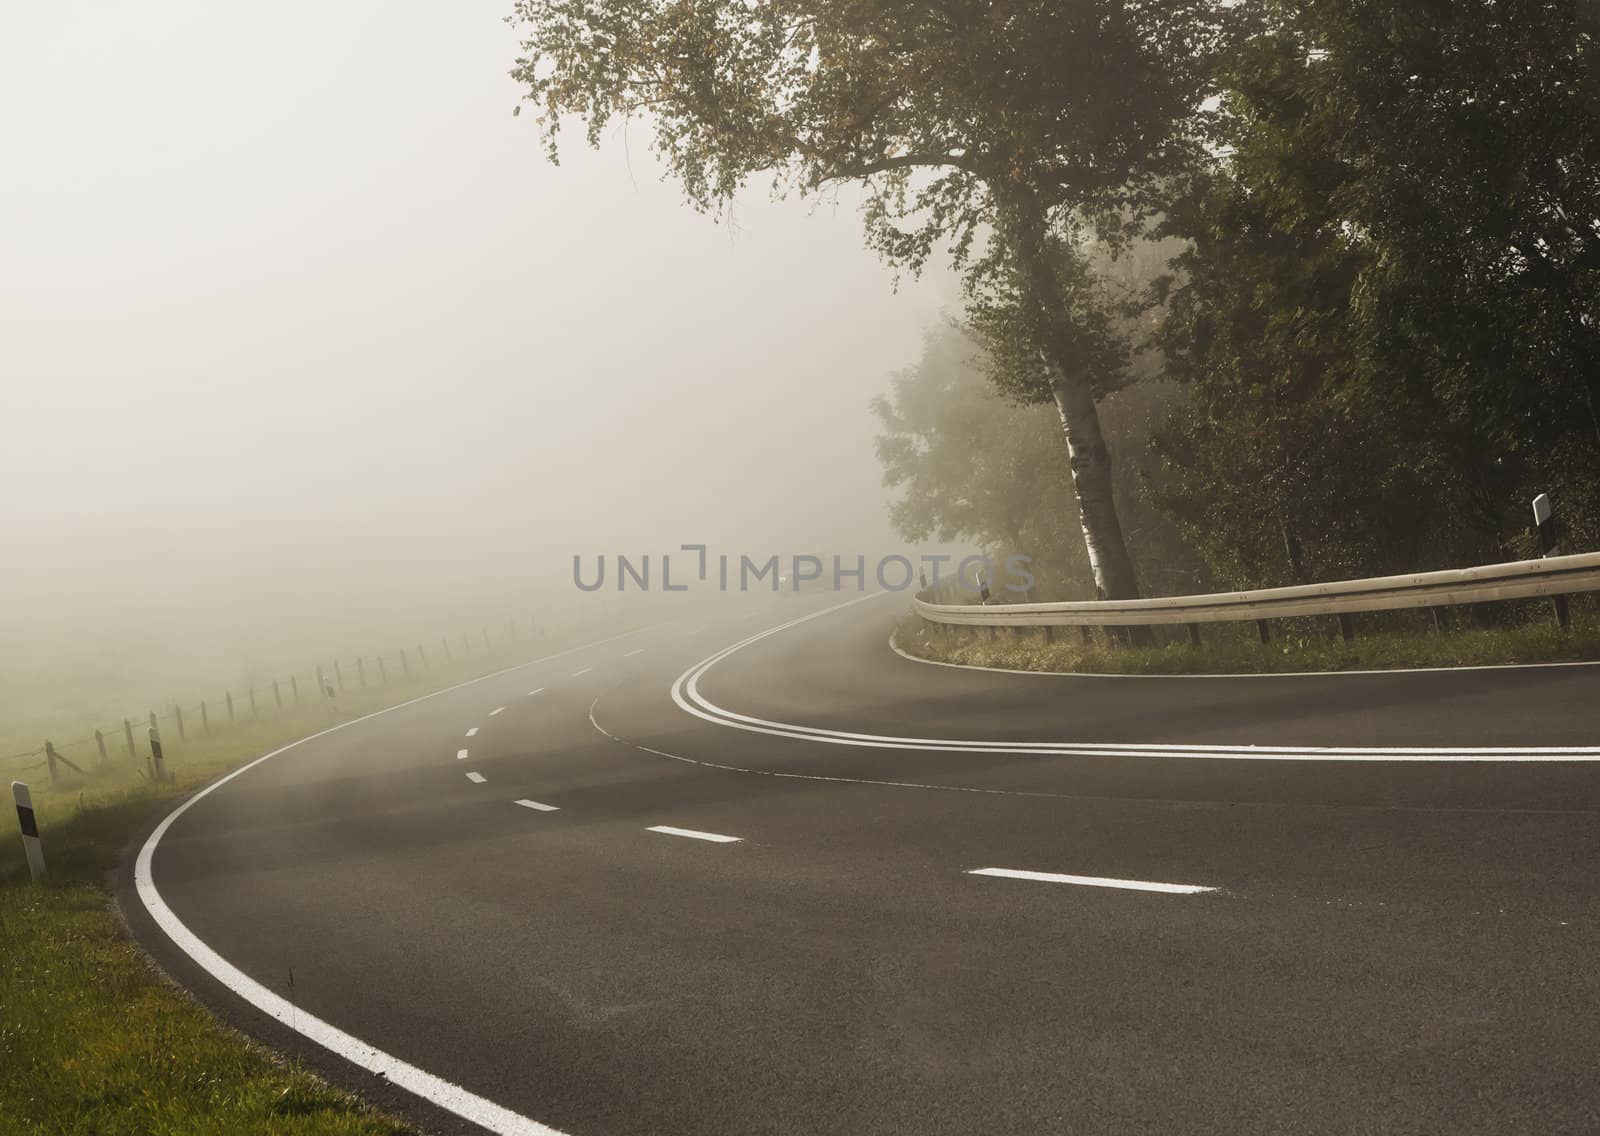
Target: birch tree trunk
(1087,454)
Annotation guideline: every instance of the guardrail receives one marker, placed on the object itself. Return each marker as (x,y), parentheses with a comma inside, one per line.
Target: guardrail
(1551,576)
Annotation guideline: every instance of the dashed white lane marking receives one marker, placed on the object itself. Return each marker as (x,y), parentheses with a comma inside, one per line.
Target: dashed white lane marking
(461,755)
(476,778)
(544,808)
(631,654)
(1091,881)
(472,733)
(715,838)
(495,711)
(531,693)
(584,671)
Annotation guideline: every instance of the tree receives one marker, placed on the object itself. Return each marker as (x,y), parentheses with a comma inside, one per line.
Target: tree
(1389,313)
(971,463)
(998,131)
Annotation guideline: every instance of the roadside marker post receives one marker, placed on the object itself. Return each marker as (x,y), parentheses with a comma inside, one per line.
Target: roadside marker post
(30,829)
(158,765)
(1544,519)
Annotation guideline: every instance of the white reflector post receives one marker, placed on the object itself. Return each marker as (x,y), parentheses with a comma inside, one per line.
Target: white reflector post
(30,829)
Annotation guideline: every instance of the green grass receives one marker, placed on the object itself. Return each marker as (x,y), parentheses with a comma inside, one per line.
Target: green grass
(1529,635)
(93,1039)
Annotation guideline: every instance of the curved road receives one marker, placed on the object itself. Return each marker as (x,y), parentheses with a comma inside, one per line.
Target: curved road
(956,901)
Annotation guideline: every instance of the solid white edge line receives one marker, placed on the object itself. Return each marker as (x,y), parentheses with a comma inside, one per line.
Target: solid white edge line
(476,778)
(435,1090)
(531,693)
(1091,881)
(496,710)
(692,834)
(461,755)
(686,693)
(542,807)
(472,733)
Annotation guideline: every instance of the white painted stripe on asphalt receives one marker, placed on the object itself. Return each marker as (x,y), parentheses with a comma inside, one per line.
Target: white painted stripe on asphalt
(584,671)
(544,808)
(715,838)
(461,755)
(1091,881)
(531,693)
(635,651)
(495,711)
(472,733)
(476,778)
(436,1090)
(686,693)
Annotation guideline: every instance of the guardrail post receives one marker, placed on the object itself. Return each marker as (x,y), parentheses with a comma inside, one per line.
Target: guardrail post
(1194,635)
(158,765)
(1049,631)
(1438,619)
(1263,631)
(50,759)
(127,730)
(1083,633)
(1347,627)
(30,829)
(100,744)
(1544,517)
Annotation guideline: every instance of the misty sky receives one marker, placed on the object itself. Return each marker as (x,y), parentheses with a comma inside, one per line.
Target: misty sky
(294,313)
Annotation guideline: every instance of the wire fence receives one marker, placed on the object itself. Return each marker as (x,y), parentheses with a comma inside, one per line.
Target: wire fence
(128,737)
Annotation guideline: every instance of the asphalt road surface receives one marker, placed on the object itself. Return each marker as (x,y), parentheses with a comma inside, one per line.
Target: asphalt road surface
(953,901)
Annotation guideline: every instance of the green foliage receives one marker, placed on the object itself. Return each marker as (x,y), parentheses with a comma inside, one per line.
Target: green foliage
(1388,313)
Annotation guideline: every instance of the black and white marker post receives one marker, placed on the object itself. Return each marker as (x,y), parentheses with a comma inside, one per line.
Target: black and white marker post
(158,765)
(30,829)
(1544,516)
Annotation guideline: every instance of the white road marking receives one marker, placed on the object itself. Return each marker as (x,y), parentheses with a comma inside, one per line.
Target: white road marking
(1091,881)
(476,778)
(537,805)
(445,1094)
(472,733)
(686,693)
(636,651)
(531,693)
(495,711)
(461,755)
(584,671)
(715,838)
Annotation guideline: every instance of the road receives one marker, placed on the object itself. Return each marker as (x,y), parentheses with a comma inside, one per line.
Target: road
(1337,903)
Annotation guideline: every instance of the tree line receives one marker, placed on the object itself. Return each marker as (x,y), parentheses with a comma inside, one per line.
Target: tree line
(1325,268)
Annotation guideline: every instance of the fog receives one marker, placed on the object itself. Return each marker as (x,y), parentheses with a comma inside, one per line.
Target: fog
(303,341)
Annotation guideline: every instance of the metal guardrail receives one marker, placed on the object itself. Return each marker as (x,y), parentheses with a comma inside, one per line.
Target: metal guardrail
(1519,579)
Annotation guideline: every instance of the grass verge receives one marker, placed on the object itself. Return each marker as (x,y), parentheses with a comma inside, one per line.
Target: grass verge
(93,1039)
(1408,640)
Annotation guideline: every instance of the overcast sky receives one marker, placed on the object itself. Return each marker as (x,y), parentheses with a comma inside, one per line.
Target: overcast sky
(294,314)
